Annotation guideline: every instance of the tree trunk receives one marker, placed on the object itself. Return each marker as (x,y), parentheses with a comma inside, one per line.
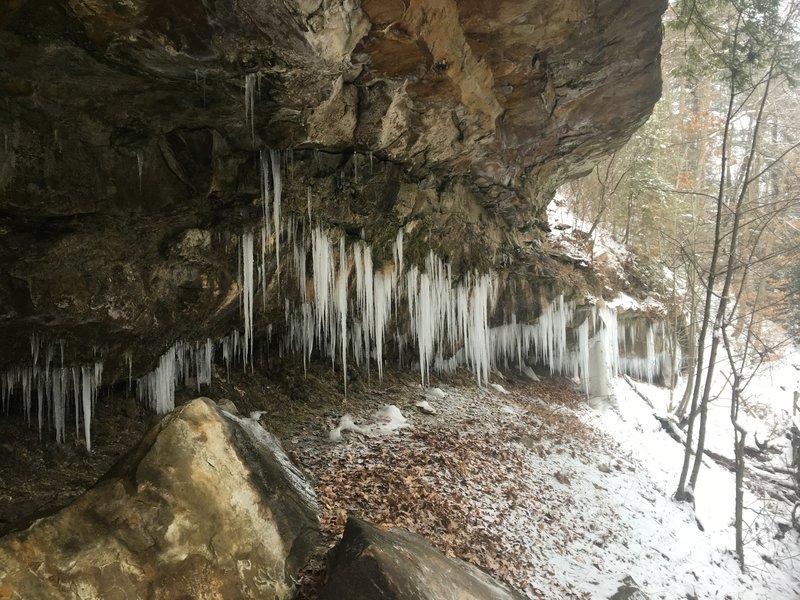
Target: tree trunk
(680,493)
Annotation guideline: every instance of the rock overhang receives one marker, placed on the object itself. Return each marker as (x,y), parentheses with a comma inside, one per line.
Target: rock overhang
(126,127)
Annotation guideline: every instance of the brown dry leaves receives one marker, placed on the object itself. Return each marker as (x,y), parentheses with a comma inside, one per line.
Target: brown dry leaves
(460,482)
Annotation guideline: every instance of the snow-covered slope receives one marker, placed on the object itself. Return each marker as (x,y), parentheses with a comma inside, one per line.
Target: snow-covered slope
(555,497)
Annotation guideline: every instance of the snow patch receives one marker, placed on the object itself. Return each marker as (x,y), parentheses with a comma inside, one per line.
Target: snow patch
(498,388)
(425,407)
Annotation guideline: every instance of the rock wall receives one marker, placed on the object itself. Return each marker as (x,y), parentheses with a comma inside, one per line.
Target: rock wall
(129,162)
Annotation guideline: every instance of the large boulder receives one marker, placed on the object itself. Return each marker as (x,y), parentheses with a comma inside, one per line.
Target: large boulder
(207,506)
(371,563)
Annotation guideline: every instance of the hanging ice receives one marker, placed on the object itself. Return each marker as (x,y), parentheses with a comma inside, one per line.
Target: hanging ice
(250,102)
(341,306)
(140,167)
(56,390)
(266,228)
(247,294)
(277,189)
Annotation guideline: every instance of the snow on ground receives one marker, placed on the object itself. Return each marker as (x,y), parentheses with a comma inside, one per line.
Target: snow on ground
(569,235)
(706,555)
(557,498)
(568,232)
(773,560)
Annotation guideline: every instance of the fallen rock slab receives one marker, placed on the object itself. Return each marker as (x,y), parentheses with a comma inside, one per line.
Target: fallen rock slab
(207,506)
(370,563)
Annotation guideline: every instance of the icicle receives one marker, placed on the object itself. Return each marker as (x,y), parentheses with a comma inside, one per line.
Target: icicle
(76,397)
(266,228)
(299,253)
(383,284)
(157,388)
(397,253)
(247,295)
(581,360)
(651,355)
(323,277)
(40,404)
(34,349)
(250,103)
(277,189)
(341,302)
(140,167)
(86,402)
(266,190)
(476,339)
(262,269)
(27,381)
(48,357)
(57,403)
(226,355)
(609,335)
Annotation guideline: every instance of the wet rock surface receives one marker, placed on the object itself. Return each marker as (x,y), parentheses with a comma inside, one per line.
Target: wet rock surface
(207,505)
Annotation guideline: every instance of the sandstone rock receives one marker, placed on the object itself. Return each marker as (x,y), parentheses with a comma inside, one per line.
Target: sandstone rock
(374,563)
(207,506)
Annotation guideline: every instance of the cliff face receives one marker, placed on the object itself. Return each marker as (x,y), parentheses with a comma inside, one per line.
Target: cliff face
(130,163)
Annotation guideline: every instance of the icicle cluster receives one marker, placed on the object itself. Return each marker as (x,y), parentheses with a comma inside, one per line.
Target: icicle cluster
(175,367)
(53,390)
(349,309)
(444,319)
(250,272)
(653,364)
(330,319)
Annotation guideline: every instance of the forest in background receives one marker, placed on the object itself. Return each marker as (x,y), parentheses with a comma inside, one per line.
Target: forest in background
(706,196)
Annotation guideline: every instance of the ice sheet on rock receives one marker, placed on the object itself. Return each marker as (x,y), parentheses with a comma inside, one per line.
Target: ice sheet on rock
(346,423)
(292,474)
(388,419)
(425,407)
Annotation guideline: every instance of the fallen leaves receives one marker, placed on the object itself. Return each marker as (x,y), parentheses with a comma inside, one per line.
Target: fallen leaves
(463,480)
